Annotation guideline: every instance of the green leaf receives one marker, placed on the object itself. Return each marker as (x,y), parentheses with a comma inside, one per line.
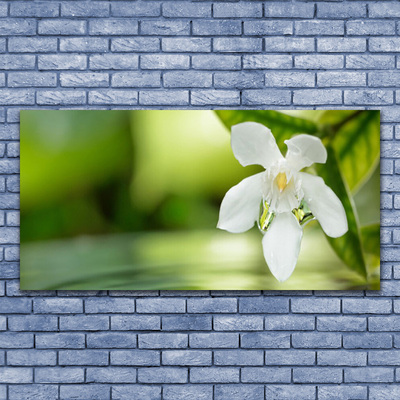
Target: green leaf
(348,247)
(334,117)
(283,126)
(371,242)
(357,146)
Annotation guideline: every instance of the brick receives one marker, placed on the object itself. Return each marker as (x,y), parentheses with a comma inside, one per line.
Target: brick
(368,97)
(289,323)
(345,392)
(61,27)
(193,45)
(83,357)
(289,79)
(263,305)
(320,340)
(154,98)
(237,45)
(16,375)
(162,375)
(341,45)
(289,392)
(215,62)
(57,306)
(342,358)
(11,132)
(111,340)
(288,10)
(113,61)
(186,79)
(111,375)
(346,10)
(59,375)
(16,340)
(262,96)
(269,27)
(115,27)
(31,357)
(238,10)
(32,391)
(290,357)
(15,305)
(186,357)
(135,322)
(109,96)
(64,97)
(60,340)
(165,28)
(325,306)
(387,44)
(384,79)
(36,9)
(238,357)
(319,61)
(367,306)
(180,9)
(214,97)
(262,340)
(341,323)
(93,391)
(214,375)
(187,323)
(13,151)
(242,323)
(17,61)
(107,305)
(135,44)
(135,357)
(289,45)
(382,10)
(129,9)
(383,357)
(61,61)
(86,9)
(212,305)
(342,78)
(32,323)
(370,61)
(216,27)
(262,375)
(31,45)
(318,27)
(365,27)
(164,61)
(368,374)
(267,61)
(19,26)
(83,79)
(87,45)
(317,375)
(163,340)
(179,392)
(214,340)
(84,323)
(367,341)
(136,392)
(386,323)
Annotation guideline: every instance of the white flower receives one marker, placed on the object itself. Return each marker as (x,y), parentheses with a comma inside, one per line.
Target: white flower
(282,191)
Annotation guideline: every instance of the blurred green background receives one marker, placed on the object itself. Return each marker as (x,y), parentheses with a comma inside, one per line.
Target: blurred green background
(130,200)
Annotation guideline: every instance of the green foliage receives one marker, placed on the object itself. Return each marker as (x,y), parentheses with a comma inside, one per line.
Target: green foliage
(283,126)
(352,141)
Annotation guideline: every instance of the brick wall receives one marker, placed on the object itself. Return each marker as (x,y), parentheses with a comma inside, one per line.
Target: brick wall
(199,345)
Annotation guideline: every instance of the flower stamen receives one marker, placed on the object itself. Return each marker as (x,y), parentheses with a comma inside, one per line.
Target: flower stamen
(281,181)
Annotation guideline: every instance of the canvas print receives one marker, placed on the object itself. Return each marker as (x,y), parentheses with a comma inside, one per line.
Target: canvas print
(200,200)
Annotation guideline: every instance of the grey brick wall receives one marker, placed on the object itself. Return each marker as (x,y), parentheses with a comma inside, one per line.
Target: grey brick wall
(199,345)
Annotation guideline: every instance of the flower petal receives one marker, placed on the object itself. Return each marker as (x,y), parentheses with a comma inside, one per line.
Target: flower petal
(305,150)
(253,143)
(281,245)
(241,205)
(324,204)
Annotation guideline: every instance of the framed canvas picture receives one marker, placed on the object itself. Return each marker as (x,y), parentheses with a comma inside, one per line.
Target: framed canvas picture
(200,200)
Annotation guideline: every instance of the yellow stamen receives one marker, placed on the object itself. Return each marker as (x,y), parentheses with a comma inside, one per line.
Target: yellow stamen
(281,181)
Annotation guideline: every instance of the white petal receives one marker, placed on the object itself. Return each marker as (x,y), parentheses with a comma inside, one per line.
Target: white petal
(253,143)
(324,204)
(281,245)
(241,205)
(305,150)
